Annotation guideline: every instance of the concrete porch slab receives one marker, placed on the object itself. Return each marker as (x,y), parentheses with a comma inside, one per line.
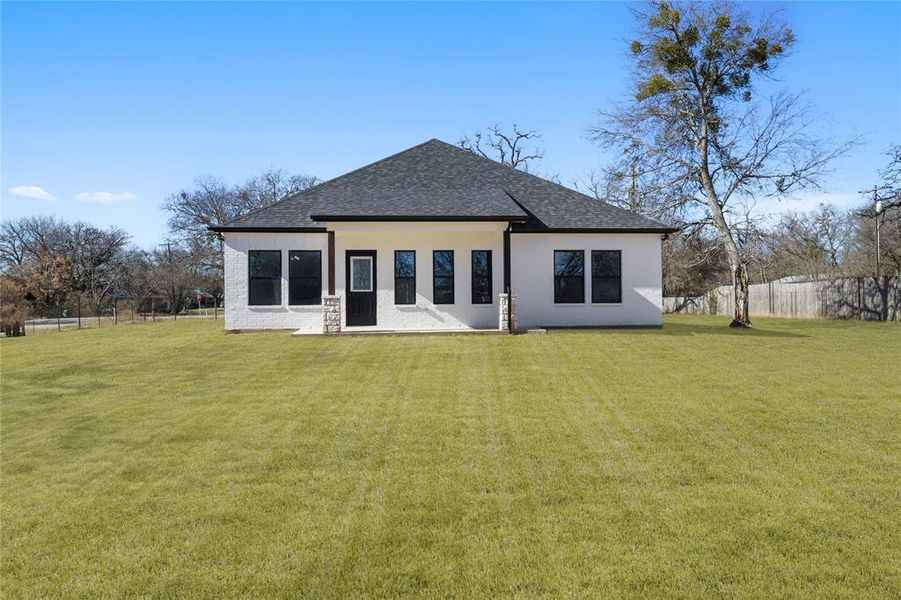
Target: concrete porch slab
(381,331)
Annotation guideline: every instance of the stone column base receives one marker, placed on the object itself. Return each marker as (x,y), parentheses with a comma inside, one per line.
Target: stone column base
(331,314)
(507,315)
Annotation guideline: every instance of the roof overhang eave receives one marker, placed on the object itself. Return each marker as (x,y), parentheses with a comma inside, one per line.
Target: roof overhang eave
(658,230)
(421,218)
(240,229)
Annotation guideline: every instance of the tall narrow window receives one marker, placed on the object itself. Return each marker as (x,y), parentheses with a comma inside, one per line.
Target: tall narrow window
(443,276)
(569,276)
(404,277)
(304,277)
(481,277)
(265,276)
(606,276)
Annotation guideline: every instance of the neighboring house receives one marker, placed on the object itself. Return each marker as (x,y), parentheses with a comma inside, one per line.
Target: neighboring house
(437,238)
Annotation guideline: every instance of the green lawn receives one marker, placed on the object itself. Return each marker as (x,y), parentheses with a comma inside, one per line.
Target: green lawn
(168,459)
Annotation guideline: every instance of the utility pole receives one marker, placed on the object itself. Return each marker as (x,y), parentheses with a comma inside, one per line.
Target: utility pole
(877,208)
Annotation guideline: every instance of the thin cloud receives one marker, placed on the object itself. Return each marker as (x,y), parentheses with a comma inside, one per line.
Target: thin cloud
(33,192)
(106,197)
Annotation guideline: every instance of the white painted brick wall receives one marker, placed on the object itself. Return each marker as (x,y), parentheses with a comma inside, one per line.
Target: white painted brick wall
(532,276)
(238,315)
(532,280)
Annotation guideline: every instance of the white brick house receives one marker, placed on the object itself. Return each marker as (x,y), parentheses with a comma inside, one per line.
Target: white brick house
(437,238)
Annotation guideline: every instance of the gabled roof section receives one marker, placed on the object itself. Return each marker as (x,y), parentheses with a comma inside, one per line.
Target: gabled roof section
(436,181)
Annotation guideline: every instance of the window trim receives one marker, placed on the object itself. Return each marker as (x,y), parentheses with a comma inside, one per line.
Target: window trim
(319,277)
(620,301)
(452,277)
(280,278)
(554,277)
(371,269)
(489,276)
(413,303)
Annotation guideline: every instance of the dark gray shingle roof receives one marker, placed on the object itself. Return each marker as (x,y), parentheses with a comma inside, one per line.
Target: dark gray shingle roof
(438,181)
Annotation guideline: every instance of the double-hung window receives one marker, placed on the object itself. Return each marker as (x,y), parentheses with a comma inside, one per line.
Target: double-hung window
(481,277)
(265,277)
(304,277)
(404,277)
(569,276)
(606,276)
(443,276)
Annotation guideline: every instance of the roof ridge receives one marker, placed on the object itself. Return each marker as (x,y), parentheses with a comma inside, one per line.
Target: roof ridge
(322,183)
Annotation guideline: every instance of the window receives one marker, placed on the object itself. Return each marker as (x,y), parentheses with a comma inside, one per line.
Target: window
(606,276)
(481,277)
(361,273)
(304,277)
(443,276)
(404,277)
(569,276)
(265,275)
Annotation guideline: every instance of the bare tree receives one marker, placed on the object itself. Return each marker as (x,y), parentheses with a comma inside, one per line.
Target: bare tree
(97,257)
(30,237)
(174,272)
(137,281)
(812,244)
(891,179)
(271,186)
(515,148)
(694,133)
(210,201)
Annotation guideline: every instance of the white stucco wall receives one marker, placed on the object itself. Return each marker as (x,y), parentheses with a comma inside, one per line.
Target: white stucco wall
(462,238)
(238,315)
(532,280)
(532,276)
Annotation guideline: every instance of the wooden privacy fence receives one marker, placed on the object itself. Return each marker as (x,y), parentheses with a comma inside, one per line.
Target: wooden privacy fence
(869,298)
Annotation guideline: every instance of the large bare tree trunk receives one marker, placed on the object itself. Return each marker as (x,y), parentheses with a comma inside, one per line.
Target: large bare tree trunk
(741,317)
(740,280)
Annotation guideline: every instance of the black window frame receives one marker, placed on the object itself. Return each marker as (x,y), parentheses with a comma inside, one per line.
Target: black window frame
(251,278)
(317,278)
(488,277)
(558,299)
(406,280)
(618,277)
(436,277)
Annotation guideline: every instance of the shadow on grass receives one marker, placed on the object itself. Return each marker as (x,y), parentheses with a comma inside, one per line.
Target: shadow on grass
(724,329)
(685,329)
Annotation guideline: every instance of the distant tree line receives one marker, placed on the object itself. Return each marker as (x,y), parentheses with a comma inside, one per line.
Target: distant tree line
(51,268)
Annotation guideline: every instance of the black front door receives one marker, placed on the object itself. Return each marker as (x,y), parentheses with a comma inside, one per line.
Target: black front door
(360,269)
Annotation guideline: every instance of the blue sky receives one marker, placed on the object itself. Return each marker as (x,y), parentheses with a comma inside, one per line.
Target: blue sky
(110,107)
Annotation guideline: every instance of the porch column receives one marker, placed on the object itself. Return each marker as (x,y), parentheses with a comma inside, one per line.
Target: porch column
(507,315)
(331,314)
